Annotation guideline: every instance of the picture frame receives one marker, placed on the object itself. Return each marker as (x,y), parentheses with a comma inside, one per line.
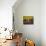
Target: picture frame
(28,20)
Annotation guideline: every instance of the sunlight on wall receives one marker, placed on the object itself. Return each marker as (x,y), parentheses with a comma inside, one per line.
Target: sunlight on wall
(6,13)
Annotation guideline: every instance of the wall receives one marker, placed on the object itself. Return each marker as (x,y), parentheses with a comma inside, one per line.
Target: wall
(6,13)
(6,17)
(43,22)
(28,8)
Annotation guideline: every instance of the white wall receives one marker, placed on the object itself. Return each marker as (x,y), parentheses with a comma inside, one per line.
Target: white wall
(29,8)
(6,18)
(43,22)
(34,8)
(6,13)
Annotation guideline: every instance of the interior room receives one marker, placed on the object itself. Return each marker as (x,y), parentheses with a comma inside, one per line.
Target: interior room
(22,22)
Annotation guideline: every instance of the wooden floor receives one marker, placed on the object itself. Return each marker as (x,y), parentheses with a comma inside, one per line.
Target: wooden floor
(9,43)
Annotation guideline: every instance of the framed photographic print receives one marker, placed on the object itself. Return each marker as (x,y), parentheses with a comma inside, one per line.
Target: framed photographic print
(28,20)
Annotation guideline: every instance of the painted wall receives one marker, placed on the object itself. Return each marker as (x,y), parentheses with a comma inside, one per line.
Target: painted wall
(6,19)
(28,8)
(6,13)
(43,22)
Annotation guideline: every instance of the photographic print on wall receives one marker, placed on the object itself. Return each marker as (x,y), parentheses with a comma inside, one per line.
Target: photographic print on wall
(28,20)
